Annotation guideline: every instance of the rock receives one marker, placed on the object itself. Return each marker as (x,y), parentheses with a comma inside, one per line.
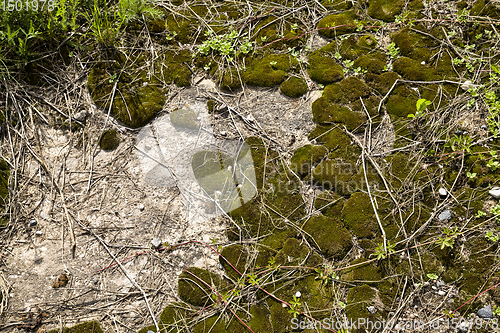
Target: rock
(61,281)
(441,293)
(484,127)
(33,223)
(95,280)
(141,207)
(156,242)
(485,312)
(442,192)
(495,192)
(459,132)
(298,294)
(38,233)
(223,133)
(444,215)
(371,309)
(466,85)
(80,116)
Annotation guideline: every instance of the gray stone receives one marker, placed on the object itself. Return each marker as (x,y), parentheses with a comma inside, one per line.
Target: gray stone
(38,233)
(495,192)
(485,312)
(80,116)
(444,215)
(33,223)
(442,192)
(371,309)
(156,242)
(141,207)
(95,280)
(484,127)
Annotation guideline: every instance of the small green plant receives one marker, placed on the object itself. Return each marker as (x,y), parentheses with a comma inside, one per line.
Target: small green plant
(480,214)
(422,105)
(294,307)
(273,64)
(448,314)
(460,142)
(380,252)
(449,239)
(342,305)
(491,237)
(325,275)
(471,175)
(463,15)
(432,276)
(392,50)
(253,280)
(496,212)
(496,310)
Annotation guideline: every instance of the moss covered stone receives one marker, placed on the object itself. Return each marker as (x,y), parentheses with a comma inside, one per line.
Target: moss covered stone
(353,47)
(175,317)
(359,217)
(230,79)
(138,97)
(325,112)
(109,140)
(385,10)
(329,203)
(332,238)
(87,327)
(358,299)
(332,137)
(237,256)
(402,101)
(383,82)
(194,286)
(366,273)
(294,252)
(305,158)
(294,87)
(345,23)
(485,8)
(324,70)
(269,71)
(413,45)
(413,70)
(372,63)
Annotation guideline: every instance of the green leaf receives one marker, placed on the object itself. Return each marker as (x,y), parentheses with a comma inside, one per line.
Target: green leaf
(495,68)
(411,115)
(422,104)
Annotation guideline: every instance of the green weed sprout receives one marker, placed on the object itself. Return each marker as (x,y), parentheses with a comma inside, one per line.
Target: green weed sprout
(432,276)
(421,107)
(490,237)
(380,251)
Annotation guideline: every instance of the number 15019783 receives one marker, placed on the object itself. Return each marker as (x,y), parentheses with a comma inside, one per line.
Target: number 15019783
(34,5)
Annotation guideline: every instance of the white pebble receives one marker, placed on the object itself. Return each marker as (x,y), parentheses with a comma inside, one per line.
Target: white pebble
(298,294)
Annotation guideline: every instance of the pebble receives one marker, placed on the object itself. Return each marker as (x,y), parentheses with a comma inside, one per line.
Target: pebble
(298,294)
(80,116)
(95,280)
(156,242)
(141,207)
(484,127)
(33,223)
(150,332)
(444,215)
(441,293)
(38,232)
(459,132)
(223,133)
(371,309)
(485,312)
(495,192)
(466,85)
(442,192)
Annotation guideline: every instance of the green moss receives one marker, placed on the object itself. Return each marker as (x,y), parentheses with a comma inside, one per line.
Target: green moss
(230,80)
(327,112)
(109,140)
(331,137)
(211,105)
(269,71)
(305,158)
(372,63)
(353,47)
(385,10)
(352,89)
(485,8)
(362,273)
(412,45)
(359,217)
(268,33)
(138,97)
(237,256)
(402,101)
(358,299)
(413,70)
(337,4)
(294,87)
(383,82)
(4,184)
(87,327)
(346,20)
(175,317)
(329,203)
(213,324)
(431,264)
(194,289)
(294,252)
(324,70)
(335,175)
(184,119)
(280,318)
(321,229)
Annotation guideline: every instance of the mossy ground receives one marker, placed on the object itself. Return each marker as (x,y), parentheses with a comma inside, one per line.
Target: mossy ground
(109,140)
